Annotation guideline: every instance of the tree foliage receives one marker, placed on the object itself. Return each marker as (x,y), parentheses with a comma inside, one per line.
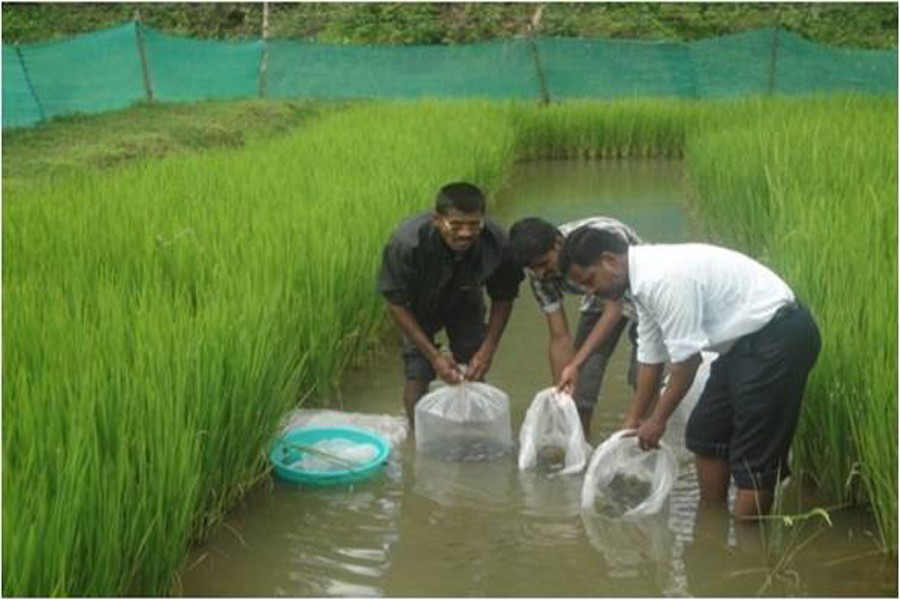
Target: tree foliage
(866,25)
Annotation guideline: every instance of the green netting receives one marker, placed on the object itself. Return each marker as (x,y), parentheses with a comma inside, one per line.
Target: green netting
(804,67)
(103,71)
(90,73)
(183,69)
(611,69)
(492,69)
(19,106)
(737,65)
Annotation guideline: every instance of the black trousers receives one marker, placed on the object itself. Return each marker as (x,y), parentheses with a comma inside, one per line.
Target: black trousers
(748,411)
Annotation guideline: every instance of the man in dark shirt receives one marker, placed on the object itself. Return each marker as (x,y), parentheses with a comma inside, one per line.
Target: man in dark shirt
(433,273)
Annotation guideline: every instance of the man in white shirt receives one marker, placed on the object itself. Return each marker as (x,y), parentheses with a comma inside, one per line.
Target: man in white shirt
(579,369)
(693,297)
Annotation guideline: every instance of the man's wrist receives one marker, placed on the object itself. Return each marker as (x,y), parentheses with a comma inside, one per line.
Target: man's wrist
(657,419)
(433,355)
(577,361)
(488,347)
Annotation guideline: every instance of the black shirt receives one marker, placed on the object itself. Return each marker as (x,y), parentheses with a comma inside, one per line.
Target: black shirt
(420,272)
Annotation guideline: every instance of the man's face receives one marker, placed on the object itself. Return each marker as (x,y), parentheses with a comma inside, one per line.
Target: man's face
(459,230)
(546,266)
(607,277)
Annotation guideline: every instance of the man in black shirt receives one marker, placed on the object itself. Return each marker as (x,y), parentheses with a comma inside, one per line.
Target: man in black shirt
(433,273)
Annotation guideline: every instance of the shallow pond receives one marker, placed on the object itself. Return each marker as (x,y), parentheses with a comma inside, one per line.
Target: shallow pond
(430,528)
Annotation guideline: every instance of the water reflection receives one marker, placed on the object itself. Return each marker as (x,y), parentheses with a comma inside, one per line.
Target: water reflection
(549,495)
(632,548)
(484,485)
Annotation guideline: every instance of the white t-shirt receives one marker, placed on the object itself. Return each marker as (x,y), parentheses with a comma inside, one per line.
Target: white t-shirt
(693,297)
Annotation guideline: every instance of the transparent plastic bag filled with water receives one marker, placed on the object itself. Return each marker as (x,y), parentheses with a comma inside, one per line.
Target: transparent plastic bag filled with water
(624,481)
(468,421)
(551,438)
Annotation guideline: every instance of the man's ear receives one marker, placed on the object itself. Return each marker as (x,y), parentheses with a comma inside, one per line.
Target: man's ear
(558,243)
(436,218)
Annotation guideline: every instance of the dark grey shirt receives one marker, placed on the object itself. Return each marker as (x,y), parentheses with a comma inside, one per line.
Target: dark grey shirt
(420,272)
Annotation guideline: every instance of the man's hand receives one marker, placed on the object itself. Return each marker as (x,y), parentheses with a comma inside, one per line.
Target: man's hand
(631,422)
(446,368)
(650,432)
(568,377)
(479,364)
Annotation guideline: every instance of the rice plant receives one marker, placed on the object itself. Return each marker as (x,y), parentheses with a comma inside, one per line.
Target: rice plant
(159,319)
(811,188)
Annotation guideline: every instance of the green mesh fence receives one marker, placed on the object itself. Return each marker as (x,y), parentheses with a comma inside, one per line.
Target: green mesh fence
(609,69)
(802,65)
(90,73)
(19,105)
(183,69)
(494,69)
(740,65)
(114,68)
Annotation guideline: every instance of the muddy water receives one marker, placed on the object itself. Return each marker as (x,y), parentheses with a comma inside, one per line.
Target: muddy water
(426,528)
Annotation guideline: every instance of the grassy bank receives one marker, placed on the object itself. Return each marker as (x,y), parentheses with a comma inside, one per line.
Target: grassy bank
(159,316)
(71,144)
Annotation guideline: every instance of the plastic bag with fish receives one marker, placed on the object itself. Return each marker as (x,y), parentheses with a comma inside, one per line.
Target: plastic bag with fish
(468,421)
(551,437)
(624,481)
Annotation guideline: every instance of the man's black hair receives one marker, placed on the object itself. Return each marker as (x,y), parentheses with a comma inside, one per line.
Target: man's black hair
(530,239)
(460,195)
(585,245)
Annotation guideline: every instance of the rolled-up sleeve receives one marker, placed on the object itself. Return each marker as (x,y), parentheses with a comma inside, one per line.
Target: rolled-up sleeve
(394,280)
(549,297)
(503,283)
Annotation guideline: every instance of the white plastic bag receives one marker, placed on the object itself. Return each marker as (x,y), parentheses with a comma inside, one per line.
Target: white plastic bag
(468,421)
(551,436)
(624,481)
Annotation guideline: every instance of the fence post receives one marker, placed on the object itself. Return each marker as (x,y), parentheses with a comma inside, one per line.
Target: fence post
(532,32)
(773,63)
(142,54)
(264,59)
(29,82)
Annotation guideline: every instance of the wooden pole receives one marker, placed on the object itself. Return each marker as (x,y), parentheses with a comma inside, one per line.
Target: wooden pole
(142,54)
(264,59)
(533,27)
(29,82)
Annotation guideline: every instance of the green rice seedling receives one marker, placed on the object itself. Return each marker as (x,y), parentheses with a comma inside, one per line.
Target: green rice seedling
(783,538)
(812,192)
(615,129)
(159,319)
